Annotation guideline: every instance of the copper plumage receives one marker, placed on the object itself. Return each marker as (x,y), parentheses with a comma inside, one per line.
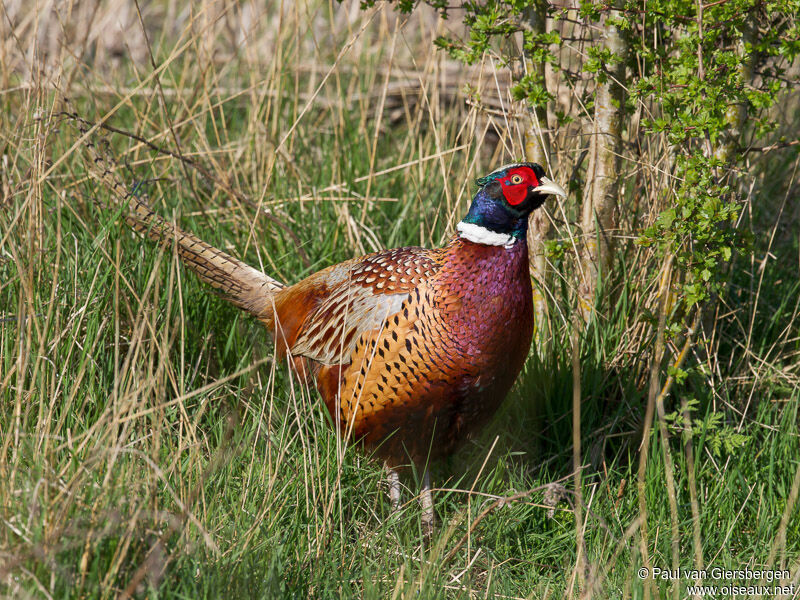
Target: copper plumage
(411,349)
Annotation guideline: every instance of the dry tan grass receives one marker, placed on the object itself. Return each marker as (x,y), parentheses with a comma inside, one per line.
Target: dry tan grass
(292,73)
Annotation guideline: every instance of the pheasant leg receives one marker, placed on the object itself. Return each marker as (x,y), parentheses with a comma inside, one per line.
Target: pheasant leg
(394,488)
(426,502)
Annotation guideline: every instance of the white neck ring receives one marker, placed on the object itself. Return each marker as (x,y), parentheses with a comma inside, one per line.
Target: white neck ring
(481,235)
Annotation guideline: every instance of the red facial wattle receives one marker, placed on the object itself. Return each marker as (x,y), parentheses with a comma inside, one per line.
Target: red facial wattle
(515,185)
(515,194)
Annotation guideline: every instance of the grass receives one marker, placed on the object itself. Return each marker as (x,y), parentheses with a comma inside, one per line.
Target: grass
(151,447)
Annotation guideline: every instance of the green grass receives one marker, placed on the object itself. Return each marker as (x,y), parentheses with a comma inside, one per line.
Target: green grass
(150,447)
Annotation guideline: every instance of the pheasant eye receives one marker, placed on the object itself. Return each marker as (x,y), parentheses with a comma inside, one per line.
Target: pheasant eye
(516,179)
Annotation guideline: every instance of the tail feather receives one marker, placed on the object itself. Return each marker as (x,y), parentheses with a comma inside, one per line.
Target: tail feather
(244,286)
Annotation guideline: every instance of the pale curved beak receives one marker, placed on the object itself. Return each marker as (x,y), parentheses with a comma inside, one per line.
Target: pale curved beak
(548,186)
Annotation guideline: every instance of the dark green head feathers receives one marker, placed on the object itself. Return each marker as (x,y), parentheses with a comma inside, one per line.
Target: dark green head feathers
(507,196)
(502,171)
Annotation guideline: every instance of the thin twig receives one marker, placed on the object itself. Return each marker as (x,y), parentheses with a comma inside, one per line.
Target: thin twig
(655,370)
(776,146)
(499,503)
(580,561)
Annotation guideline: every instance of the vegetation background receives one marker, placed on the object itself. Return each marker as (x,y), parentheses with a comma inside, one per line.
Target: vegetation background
(149,445)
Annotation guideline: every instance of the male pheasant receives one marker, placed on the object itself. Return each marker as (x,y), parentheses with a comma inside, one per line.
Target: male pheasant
(411,349)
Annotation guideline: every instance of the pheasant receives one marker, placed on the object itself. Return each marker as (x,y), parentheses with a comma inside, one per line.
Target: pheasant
(411,349)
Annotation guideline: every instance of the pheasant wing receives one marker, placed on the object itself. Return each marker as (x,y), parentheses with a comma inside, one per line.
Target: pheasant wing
(356,297)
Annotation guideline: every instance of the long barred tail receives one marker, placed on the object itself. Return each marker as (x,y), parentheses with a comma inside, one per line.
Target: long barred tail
(246,287)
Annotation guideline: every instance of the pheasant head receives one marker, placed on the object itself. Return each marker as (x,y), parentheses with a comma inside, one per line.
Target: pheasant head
(506,196)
